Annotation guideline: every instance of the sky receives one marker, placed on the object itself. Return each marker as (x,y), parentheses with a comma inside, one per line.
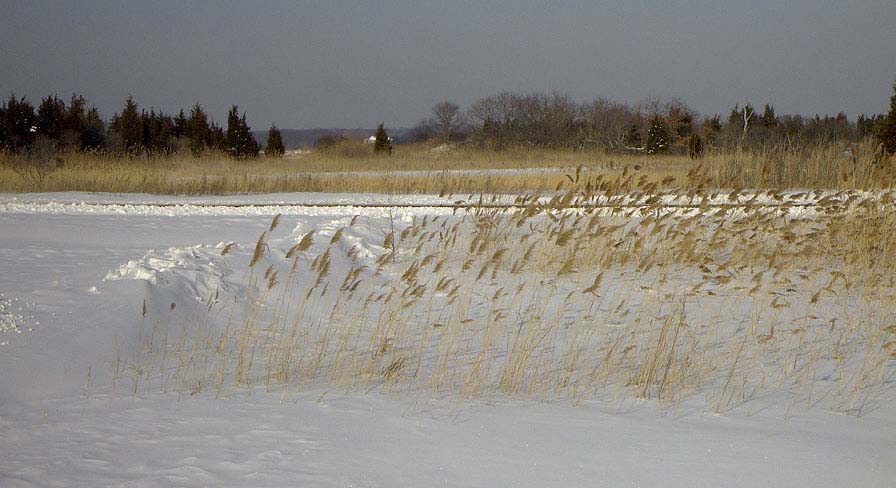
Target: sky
(347,63)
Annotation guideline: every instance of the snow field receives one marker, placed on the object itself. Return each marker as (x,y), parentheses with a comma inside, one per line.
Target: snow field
(389,346)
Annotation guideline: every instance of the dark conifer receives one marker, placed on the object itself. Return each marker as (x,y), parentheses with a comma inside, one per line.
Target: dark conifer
(769,119)
(886,128)
(240,142)
(198,130)
(2,126)
(51,117)
(382,143)
(19,123)
(657,136)
(180,124)
(73,123)
(275,148)
(217,139)
(129,126)
(93,134)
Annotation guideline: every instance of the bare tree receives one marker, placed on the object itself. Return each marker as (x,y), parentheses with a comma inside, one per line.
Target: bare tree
(41,161)
(747,115)
(448,119)
(607,124)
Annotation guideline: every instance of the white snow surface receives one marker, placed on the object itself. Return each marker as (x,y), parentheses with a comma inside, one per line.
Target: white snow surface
(75,273)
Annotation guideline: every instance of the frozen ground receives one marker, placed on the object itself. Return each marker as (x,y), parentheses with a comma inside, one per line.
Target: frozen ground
(73,279)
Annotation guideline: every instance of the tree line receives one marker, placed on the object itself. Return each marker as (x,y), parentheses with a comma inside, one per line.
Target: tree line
(557,121)
(499,121)
(73,126)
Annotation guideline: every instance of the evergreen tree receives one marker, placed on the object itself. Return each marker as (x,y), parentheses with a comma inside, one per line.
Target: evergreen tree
(217,139)
(769,119)
(158,131)
(180,124)
(150,131)
(2,126)
(886,128)
(275,147)
(197,129)
(128,126)
(19,123)
(382,143)
(51,117)
(73,124)
(240,142)
(93,133)
(657,136)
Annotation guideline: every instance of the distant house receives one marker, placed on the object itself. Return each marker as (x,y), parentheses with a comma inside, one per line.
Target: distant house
(372,140)
(296,153)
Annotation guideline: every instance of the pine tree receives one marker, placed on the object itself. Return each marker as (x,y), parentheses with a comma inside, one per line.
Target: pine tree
(73,123)
(233,129)
(197,129)
(275,147)
(180,124)
(19,123)
(51,117)
(217,139)
(129,126)
(886,129)
(657,136)
(240,142)
(382,143)
(768,117)
(93,134)
(2,126)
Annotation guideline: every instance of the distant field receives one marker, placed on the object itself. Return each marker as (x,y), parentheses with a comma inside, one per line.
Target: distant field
(420,168)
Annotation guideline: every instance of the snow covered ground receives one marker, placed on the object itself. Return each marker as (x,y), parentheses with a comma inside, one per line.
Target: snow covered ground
(76,273)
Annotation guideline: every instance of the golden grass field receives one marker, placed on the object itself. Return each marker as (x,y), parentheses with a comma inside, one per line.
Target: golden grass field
(417,168)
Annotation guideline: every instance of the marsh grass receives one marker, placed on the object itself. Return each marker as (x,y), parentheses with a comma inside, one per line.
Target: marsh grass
(558,299)
(416,168)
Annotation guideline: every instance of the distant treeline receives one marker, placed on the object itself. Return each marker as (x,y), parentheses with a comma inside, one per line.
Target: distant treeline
(73,126)
(557,121)
(495,122)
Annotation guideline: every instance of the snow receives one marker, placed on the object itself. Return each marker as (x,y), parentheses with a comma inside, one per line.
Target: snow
(12,315)
(75,273)
(329,438)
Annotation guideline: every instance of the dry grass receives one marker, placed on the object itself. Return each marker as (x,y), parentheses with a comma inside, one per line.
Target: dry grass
(419,169)
(555,300)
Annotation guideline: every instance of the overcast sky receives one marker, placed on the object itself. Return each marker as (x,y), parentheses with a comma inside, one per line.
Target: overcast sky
(342,63)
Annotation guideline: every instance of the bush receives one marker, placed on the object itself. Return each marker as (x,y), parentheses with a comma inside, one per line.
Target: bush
(35,166)
(329,142)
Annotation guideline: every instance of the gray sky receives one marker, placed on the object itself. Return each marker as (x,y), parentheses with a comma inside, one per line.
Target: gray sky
(348,63)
